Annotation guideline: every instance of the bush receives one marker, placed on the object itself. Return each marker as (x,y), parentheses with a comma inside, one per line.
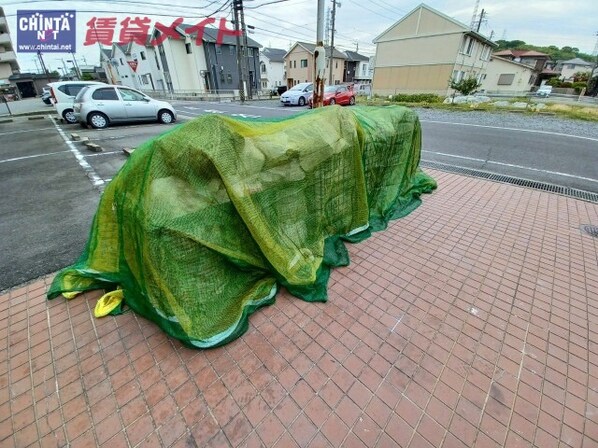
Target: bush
(417,98)
(579,86)
(466,86)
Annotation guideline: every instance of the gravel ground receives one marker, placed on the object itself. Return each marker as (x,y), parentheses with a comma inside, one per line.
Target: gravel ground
(547,123)
(513,120)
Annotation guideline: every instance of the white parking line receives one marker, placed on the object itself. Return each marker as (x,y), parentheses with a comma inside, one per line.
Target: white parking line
(96,180)
(15,159)
(512,129)
(510,165)
(23,131)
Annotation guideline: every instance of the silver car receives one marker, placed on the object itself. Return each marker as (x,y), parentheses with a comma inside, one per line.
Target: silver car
(100,105)
(298,94)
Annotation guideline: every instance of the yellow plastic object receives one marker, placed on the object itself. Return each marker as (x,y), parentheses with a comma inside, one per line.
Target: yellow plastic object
(108,302)
(71,295)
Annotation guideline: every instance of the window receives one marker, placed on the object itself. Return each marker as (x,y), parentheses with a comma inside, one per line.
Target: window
(145,79)
(303,63)
(71,89)
(336,64)
(105,94)
(131,95)
(571,66)
(294,64)
(142,54)
(249,52)
(263,67)
(341,89)
(485,56)
(229,78)
(231,50)
(188,48)
(467,47)
(218,49)
(121,61)
(458,75)
(506,79)
(221,75)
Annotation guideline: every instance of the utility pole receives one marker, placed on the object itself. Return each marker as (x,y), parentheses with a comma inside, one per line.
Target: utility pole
(238,5)
(482,14)
(332,30)
(45,70)
(248,86)
(319,59)
(327,30)
(79,75)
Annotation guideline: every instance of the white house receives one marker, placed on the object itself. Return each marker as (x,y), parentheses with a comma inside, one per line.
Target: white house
(272,68)
(505,76)
(182,62)
(122,62)
(148,70)
(571,67)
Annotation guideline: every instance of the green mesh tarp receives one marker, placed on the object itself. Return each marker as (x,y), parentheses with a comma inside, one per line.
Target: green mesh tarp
(204,222)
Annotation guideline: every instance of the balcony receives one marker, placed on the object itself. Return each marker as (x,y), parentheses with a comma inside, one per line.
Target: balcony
(5,39)
(7,56)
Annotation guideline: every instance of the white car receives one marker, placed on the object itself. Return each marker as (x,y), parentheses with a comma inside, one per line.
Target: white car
(298,94)
(62,95)
(98,106)
(544,91)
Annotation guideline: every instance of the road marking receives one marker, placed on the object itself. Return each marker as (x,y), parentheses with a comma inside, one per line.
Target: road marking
(103,153)
(513,129)
(24,130)
(510,165)
(15,159)
(96,180)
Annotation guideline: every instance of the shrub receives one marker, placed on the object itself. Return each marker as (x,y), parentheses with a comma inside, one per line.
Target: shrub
(417,98)
(466,86)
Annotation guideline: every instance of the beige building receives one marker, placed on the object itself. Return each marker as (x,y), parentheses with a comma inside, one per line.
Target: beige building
(505,76)
(424,50)
(8,57)
(299,64)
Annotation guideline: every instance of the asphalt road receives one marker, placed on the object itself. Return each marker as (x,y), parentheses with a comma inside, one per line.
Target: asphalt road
(51,184)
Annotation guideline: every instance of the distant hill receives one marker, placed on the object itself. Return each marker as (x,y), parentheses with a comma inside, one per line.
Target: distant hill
(555,52)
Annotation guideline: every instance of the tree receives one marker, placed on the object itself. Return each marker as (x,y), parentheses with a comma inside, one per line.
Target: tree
(466,86)
(87,77)
(581,77)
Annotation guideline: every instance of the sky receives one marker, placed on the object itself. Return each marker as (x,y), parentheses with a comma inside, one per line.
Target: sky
(358,22)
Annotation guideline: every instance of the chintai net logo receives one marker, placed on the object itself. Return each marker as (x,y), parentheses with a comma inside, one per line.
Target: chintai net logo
(47,31)
(46,27)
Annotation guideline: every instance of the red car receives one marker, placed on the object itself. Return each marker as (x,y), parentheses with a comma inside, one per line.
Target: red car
(337,95)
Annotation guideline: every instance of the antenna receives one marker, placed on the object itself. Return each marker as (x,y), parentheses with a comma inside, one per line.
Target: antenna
(474,17)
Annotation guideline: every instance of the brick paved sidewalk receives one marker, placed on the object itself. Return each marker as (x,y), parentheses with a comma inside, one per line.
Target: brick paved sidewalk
(472,322)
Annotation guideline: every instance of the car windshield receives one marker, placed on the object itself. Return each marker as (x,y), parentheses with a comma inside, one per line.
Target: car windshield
(298,87)
(330,89)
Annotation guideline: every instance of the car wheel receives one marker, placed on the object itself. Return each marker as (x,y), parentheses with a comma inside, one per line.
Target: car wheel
(165,117)
(301,101)
(97,120)
(332,102)
(352,101)
(69,116)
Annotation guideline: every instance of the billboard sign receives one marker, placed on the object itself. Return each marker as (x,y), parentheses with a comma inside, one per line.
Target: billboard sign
(46,31)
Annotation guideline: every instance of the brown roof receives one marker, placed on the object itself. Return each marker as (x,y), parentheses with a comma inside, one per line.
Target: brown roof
(520,53)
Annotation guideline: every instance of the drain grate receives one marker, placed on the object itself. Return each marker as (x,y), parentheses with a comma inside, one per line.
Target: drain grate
(590,230)
(565,191)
